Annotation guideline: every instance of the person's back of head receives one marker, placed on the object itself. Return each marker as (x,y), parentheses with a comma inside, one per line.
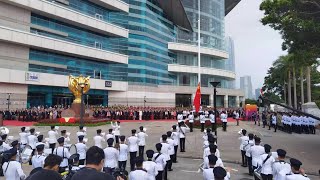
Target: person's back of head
(244,132)
(212,160)
(52,162)
(251,136)
(95,158)
(219,173)
(281,154)
(267,148)
(213,148)
(257,140)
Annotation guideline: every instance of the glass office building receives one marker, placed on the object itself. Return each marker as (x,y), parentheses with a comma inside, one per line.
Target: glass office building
(133,50)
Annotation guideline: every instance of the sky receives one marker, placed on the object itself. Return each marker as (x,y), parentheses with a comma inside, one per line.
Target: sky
(256,46)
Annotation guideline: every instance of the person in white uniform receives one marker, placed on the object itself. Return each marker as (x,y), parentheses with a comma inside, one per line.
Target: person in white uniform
(280,165)
(176,138)
(191,120)
(81,132)
(110,134)
(81,150)
(206,159)
(220,173)
(53,134)
(5,146)
(208,172)
(150,166)
(165,151)
(111,157)
(12,169)
(133,148)
(98,139)
(296,172)
(212,121)
(63,153)
(171,142)
(139,173)
(160,160)
(123,153)
(32,140)
(224,119)
(116,130)
(244,139)
(142,141)
(247,147)
(266,161)
(38,160)
(202,120)
(256,151)
(23,137)
(66,138)
(180,117)
(183,128)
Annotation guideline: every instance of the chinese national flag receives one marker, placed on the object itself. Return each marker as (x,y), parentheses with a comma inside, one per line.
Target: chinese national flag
(197,99)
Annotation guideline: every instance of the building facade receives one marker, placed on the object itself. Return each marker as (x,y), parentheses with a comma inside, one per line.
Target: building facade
(134,51)
(257,93)
(246,86)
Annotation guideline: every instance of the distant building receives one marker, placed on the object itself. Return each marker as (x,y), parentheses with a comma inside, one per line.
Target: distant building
(257,91)
(246,86)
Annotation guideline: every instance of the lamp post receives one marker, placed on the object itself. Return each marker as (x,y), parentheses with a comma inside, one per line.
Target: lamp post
(215,84)
(144,101)
(82,85)
(9,96)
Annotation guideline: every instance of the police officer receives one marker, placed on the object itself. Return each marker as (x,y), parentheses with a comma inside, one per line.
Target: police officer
(12,169)
(53,134)
(98,139)
(139,173)
(62,152)
(296,173)
(280,164)
(191,120)
(81,150)
(38,160)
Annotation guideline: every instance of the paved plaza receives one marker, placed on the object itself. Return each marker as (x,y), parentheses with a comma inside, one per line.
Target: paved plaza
(303,147)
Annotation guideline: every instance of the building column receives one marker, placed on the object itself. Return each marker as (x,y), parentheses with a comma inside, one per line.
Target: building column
(243,100)
(226,101)
(237,101)
(48,99)
(211,100)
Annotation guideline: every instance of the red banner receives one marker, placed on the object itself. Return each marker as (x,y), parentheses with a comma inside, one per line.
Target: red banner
(197,99)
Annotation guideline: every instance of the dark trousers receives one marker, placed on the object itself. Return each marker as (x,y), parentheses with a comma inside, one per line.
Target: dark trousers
(141,151)
(237,122)
(264,123)
(165,172)
(175,154)
(159,176)
(244,159)
(170,162)
(202,127)
(122,164)
(81,161)
(62,169)
(133,155)
(108,170)
(270,124)
(191,127)
(255,177)
(266,176)
(213,127)
(52,147)
(275,127)
(182,144)
(249,159)
(312,129)
(224,124)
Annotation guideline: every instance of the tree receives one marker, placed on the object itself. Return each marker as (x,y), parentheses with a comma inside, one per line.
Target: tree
(250,101)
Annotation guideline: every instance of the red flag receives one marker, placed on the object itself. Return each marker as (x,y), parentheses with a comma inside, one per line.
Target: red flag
(197,99)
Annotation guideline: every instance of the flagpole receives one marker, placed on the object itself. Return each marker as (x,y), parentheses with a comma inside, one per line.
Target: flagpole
(199,58)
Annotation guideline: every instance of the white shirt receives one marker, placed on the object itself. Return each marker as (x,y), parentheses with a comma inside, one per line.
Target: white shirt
(24,137)
(202,119)
(81,133)
(165,150)
(206,153)
(243,142)
(108,136)
(98,140)
(138,175)
(4,147)
(142,138)
(183,131)
(133,143)
(219,163)
(32,140)
(176,137)
(151,168)
(224,117)
(64,153)
(171,144)
(13,171)
(123,152)
(208,174)
(191,118)
(81,150)
(291,176)
(160,161)
(256,151)
(267,166)
(247,147)
(211,116)
(180,118)
(116,129)
(111,157)
(38,161)
(279,166)
(52,136)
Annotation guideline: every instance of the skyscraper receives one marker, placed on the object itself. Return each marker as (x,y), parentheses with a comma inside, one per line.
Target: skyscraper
(257,91)
(246,86)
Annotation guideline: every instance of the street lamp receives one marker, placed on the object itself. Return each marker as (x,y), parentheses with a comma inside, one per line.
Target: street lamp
(82,85)
(215,84)
(144,101)
(9,96)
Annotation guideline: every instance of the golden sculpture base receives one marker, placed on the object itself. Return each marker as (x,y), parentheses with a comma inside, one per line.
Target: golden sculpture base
(74,111)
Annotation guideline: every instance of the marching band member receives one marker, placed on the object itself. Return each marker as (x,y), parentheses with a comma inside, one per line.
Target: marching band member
(176,138)
(98,139)
(12,169)
(81,131)
(142,141)
(139,173)
(160,160)
(23,137)
(38,160)
(123,153)
(191,120)
(133,147)
(62,152)
(150,166)
(81,150)
(111,157)
(53,134)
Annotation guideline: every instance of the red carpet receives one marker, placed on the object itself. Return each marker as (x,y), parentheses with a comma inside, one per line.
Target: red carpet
(17,123)
(159,120)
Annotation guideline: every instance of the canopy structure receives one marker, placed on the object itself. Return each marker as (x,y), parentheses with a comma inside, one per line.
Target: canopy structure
(229,5)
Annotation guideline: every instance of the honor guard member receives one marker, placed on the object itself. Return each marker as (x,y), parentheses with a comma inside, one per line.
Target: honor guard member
(32,139)
(274,122)
(139,173)
(296,173)
(62,152)
(180,117)
(165,151)
(247,148)
(176,138)
(206,151)
(171,142)
(150,166)
(66,137)
(12,169)
(213,149)
(220,173)
(224,119)
(256,151)
(280,165)
(38,160)
(111,157)
(160,160)
(191,120)
(40,141)
(116,130)
(81,150)
(133,147)
(237,116)
(15,145)
(53,134)
(212,121)
(142,141)
(266,162)
(123,153)
(202,120)
(23,137)
(81,132)
(244,140)
(183,128)
(110,135)
(184,114)
(208,173)
(98,139)
(312,125)
(5,146)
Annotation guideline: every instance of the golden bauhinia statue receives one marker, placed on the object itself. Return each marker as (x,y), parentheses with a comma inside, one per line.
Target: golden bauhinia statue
(76,84)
